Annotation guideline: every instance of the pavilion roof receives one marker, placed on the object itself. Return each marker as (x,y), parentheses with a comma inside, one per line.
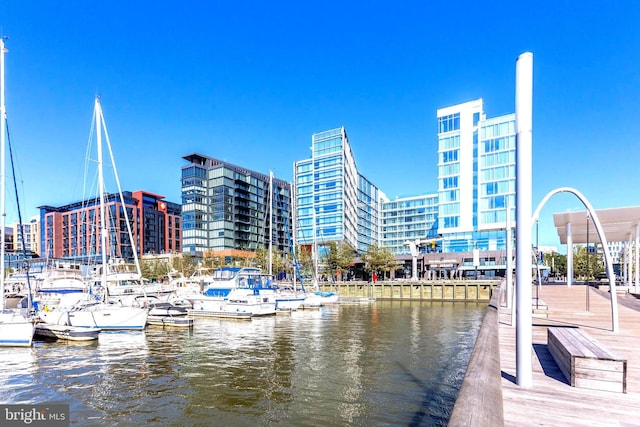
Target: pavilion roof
(617,223)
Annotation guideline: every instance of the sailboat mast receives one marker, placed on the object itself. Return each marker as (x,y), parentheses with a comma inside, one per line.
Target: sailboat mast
(270,222)
(314,249)
(3,118)
(103,214)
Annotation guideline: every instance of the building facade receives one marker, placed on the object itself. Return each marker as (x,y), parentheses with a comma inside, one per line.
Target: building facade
(476,177)
(410,219)
(73,231)
(334,202)
(160,223)
(30,232)
(229,207)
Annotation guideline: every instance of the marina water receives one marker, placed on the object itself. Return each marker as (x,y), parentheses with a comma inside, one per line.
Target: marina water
(386,363)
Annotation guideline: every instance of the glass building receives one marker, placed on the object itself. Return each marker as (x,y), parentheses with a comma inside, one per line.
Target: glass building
(370,211)
(476,177)
(333,201)
(226,207)
(410,218)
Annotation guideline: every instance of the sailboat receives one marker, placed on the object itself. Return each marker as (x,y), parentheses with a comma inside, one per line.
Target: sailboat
(96,311)
(16,328)
(286,299)
(318,298)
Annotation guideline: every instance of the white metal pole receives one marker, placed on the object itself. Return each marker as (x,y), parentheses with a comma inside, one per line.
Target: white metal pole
(569,255)
(524,115)
(629,262)
(627,252)
(636,282)
(509,271)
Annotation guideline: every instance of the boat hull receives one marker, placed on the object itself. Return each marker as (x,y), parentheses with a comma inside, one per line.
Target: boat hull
(102,316)
(241,315)
(289,303)
(15,330)
(175,321)
(65,332)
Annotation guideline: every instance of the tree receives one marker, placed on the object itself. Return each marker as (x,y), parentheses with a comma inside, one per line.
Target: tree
(587,264)
(378,260)
(305,260)
(557,262)
(337,257)
(278,260)
(154,269)
(185,264)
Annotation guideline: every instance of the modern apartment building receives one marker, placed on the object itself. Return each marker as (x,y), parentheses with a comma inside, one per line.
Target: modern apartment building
(229,207)
(370,211)
(30,231)
(476,177)
(410,219)
(72,231)
(160,223)
(334,202)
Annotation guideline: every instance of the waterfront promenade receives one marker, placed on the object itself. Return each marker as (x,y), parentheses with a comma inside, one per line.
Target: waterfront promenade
(551,401)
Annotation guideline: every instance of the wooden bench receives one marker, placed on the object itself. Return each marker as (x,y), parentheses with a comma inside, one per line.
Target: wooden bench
(585,362)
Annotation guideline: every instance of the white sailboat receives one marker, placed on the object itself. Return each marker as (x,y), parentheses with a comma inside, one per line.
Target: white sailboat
(286,299)
(94,312)
(318,298)
(16,328)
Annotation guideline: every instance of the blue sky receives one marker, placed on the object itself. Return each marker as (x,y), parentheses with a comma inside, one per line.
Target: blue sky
(249,82)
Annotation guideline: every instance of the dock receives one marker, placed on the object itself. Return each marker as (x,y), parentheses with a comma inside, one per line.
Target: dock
(551,400)
(490,395)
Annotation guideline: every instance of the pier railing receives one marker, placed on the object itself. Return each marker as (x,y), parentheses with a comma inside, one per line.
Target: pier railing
(479,401)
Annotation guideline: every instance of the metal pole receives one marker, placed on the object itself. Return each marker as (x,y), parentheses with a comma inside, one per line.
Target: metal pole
(524,107)
(569,255)
(637,260)
(586,283)
(509,271)
(538,268)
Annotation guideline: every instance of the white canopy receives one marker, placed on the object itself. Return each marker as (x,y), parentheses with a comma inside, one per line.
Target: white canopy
(617,224)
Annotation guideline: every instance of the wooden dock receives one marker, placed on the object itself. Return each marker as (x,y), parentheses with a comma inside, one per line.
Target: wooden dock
(551,401)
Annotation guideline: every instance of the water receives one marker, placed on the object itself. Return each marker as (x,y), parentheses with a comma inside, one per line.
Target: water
(383,364)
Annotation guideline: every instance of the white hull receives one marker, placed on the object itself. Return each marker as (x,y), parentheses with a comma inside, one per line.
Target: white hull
(320,299)
(238,306)
(99,315)
(289,303)
(15,329)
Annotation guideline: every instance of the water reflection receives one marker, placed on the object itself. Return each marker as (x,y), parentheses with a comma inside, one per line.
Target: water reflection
(389,363)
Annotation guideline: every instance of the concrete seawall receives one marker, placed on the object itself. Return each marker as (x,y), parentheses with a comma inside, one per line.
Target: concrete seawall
(462,291)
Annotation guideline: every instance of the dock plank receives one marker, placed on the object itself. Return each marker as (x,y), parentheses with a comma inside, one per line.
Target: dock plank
(551,400)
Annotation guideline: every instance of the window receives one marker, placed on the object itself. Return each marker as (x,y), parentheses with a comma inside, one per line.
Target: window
(449,123)
(451,221)
(449,156)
